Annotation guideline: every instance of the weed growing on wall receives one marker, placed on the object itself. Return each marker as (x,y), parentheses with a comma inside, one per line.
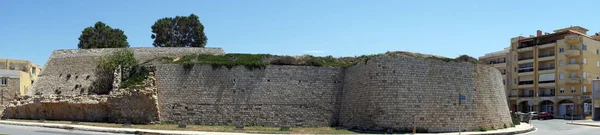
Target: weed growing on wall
(137,75)
(254,61)
(106,67)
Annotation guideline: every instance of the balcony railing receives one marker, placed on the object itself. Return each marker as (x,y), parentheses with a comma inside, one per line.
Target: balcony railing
(546,95)
(545,55)
(525,70)
(526,95)
(526,58)
(550,81)
(497,62)
(546,68)
(524,46)
(525,82)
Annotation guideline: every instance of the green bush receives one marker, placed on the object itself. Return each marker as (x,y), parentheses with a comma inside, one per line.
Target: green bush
(106,67)
(137,76)
(516,120)
(283,60)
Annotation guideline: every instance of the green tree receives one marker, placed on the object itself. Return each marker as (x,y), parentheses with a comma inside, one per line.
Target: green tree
(102,36)
(181,31)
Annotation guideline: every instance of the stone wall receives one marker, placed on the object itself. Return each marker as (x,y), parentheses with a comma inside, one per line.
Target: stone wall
(390,93)
(72,71)
(10,91)
(383,93)
(80,108)
(490,101)
(273,96)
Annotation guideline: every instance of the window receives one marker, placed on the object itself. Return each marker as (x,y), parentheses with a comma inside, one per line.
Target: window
(561,62)
(584,75)
(4,81)
(561,49)
(597,63)
(573,75)
(515,81)
(561,76)
(573,61)
(32,70)
(583,47)
(562,90)
(584,89)
(584,60)
(597,51)
(573,90)
(503,82)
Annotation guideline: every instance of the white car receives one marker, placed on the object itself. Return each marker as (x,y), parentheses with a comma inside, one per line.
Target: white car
(533,114)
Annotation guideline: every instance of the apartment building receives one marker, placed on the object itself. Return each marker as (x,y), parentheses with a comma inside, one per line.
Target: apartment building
(16,76)
(550,72)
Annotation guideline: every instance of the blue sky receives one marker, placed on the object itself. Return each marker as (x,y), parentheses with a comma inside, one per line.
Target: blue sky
(32,29)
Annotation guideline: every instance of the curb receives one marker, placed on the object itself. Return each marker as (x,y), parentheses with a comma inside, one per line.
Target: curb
(530,129)
(99,129)
(169,132)
(583,124)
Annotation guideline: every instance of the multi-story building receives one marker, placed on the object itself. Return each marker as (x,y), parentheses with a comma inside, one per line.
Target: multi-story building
(551,72)
(16,76)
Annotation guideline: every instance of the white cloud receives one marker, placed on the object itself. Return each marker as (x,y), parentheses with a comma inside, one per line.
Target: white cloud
(314,51)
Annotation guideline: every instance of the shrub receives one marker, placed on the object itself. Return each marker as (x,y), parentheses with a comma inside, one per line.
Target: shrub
(106,67)
(137,75)
(283,60)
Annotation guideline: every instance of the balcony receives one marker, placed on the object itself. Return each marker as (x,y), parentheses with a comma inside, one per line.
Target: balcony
(525,84)
(546,95)
(546,56)
(573,80)
(573,66)
(526,95)
(525,59)
(498,64)
(572,52)
(546,68)
(573,40)
(546,45)
(525,71)
(550,83)
(525,49)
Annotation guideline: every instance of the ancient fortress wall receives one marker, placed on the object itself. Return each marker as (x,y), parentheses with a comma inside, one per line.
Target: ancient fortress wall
(71,72)
(390,93)
(381,93)
(273,96)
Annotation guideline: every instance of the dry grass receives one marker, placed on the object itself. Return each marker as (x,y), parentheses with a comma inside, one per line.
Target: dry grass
(250,129)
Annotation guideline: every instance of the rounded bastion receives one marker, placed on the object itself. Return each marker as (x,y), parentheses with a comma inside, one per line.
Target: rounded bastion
(394,93)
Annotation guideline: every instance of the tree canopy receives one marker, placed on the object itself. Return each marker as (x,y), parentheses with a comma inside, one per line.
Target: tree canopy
(181,31)
(102,36)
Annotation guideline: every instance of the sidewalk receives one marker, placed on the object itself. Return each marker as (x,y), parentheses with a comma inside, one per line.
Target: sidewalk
(585,123)
(522,128)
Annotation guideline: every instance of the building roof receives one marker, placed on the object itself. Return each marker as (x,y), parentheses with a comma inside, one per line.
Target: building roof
(496,53)
(10,73)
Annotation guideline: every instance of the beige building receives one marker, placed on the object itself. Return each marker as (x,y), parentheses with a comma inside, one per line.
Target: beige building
(550,72)
(16,76)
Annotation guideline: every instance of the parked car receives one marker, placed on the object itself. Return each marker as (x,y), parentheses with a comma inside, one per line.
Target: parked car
(545,116)
(533,115)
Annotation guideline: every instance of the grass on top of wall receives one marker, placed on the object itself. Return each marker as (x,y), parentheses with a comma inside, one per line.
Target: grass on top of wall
(247,129)
(253,61)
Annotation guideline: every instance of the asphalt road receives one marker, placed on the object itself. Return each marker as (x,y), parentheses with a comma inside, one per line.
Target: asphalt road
(559,127)
(26,130)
